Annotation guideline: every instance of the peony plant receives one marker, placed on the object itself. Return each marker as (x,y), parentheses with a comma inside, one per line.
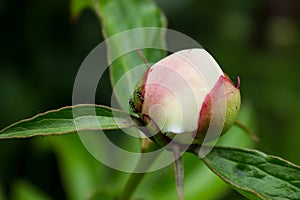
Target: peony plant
(185,94)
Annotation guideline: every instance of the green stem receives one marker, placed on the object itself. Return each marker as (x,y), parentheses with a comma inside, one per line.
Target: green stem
(131,185)
(136,178)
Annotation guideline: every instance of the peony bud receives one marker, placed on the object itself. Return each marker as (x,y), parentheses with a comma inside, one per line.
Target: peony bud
(177,94)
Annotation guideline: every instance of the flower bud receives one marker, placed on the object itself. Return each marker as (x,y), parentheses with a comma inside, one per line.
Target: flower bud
(183,92)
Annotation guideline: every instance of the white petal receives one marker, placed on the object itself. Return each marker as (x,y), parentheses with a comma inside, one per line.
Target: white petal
(176,87)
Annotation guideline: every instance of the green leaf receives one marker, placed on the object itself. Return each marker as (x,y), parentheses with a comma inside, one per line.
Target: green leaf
(255,174)
(118,16)
(61,121)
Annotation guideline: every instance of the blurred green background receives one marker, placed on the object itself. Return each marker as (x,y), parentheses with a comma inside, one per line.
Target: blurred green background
(42,48)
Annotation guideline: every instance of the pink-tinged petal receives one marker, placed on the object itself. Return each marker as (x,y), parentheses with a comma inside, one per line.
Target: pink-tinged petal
(231,96)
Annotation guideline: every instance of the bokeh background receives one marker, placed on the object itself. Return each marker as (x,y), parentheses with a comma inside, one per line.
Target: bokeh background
(42,48)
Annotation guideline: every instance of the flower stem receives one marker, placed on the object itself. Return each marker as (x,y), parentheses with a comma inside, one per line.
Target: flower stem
(179,171)
(144,163)
(131,185)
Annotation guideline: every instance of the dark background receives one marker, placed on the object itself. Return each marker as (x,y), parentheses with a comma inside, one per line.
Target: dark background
(42,48)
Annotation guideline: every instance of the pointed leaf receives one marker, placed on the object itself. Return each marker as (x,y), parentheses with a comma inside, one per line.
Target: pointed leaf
(255,174)
(61,121)
(118,16)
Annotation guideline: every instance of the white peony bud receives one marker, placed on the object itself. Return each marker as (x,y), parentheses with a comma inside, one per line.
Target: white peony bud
(176,93)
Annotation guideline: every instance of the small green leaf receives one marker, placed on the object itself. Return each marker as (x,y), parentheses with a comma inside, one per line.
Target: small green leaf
(255,174)
(118,16)
(61,121)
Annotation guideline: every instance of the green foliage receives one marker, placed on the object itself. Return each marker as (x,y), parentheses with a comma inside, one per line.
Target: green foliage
(255,174)
(62,121)
(122,48)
